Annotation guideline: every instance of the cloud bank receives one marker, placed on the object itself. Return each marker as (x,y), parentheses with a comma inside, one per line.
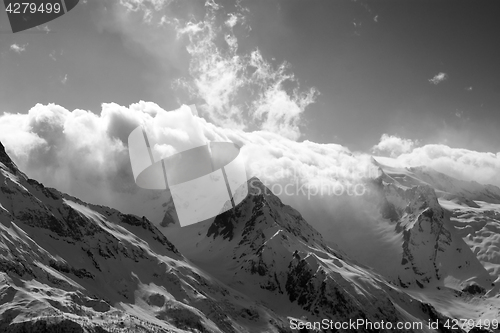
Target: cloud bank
(86,155)
(393,145)
(465,164)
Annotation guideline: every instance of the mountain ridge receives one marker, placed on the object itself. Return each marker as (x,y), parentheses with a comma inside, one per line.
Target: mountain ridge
(66,263)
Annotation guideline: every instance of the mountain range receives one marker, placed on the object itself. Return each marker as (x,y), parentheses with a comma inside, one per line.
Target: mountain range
(428,256)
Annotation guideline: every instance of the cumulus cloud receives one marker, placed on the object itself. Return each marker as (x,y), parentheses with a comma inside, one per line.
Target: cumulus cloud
(50,134)
(86,154)
(438,78)
(18,48)
(393,146)
(483,167)
(465,164)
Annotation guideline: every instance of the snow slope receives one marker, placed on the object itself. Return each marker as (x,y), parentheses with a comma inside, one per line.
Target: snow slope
(67,265)
(266,249)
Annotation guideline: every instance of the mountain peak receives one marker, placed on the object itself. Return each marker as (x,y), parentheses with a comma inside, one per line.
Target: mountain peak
(5,159)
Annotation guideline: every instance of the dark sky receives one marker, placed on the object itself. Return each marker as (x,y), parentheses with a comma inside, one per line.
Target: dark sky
(372,63)
(373,75)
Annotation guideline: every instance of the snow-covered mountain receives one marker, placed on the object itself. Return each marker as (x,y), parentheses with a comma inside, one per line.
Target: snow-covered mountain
(445,186)
(70,266)
(66,265)
(431,234)
(432,251)
(266,249)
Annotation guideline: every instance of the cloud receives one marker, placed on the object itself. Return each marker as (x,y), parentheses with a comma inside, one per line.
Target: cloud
(233,19)
(241,90)
(72,151)
(64,79)
(393,145)
(144,5)
(438,78)
(146,27)
(18,48)
(44,28)
(86,155)
(463,164)
(233,89)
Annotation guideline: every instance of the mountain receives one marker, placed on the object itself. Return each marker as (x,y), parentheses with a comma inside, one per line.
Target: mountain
(266,249)
(434,236)
(432,251)
(416,197)
(66,265)
(445,186)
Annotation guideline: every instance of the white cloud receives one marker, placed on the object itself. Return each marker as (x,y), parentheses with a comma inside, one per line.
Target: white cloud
(86,155)
(144,5)
(149,26)
(241,90)
(483,167)
(232,89)
(438,78)
(232,20)
(18,48)
(393,145)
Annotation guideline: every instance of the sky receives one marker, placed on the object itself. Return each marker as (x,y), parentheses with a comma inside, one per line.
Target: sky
(371,63)
(308,85)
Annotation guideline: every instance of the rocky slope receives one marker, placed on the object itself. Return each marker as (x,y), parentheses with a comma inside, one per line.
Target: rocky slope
(266,249)
(69,266)
(432,249)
